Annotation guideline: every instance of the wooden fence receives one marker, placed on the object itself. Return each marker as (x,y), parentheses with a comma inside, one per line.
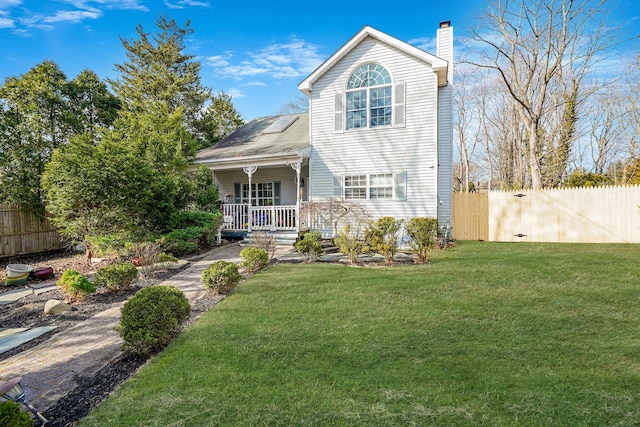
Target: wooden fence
(471,216)
(580,215)
(23,233)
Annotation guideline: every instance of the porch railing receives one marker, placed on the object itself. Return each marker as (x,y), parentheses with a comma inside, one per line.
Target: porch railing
(272,218)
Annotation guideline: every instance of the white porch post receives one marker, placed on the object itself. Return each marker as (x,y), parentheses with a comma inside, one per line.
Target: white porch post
(249,170)
(297,167)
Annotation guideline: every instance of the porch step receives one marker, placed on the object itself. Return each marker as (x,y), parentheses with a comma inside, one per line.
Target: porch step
(281,238)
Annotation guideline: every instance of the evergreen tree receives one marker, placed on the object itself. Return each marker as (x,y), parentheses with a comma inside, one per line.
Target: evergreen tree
(157,71)
(93,106)
(39,112)
(34,122)
(218,120)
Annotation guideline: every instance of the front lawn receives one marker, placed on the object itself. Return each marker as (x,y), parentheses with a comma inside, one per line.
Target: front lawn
(488,334)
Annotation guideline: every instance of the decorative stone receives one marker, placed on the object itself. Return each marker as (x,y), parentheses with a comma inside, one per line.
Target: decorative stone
(181,263)
(402,257)
(54,306)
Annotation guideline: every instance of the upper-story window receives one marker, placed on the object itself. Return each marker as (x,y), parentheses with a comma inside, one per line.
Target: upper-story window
(369,102)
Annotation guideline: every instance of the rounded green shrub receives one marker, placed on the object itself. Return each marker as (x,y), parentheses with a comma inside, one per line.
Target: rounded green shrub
(75,285)
(254,259)
(310,246)
(116,277)
(150,317)
(12,415)
(221,277)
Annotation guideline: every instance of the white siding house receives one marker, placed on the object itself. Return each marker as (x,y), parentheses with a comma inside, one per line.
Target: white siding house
(379,132)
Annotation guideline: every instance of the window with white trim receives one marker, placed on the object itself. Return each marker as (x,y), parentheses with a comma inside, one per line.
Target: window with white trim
(381,186)
(369,101)
(262,193)
(375,186)
(355,187)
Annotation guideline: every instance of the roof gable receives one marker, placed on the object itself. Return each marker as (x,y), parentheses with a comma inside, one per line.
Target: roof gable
(437,64)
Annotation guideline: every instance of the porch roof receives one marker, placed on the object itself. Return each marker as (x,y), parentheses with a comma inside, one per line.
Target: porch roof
(250,144)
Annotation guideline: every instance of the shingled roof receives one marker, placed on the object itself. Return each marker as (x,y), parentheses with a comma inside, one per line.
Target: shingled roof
(264,138)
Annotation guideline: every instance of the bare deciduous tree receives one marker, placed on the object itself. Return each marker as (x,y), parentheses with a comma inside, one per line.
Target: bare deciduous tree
(336,213)
(541,50)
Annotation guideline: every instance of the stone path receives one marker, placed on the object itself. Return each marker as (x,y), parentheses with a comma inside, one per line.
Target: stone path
(34,288)
(48,371)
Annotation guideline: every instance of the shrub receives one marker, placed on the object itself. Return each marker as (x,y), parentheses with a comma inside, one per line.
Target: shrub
(310,246)
(116,277)
(185,219)
(423,233)
(350,244)
(183,241)
(75,285)
(221,277)
(254,259)
(191,231)
(109,245)
(381,236)
(12,415)
(150,317)
(165,257)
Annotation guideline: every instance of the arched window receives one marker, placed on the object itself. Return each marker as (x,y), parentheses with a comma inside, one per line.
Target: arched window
(369,97)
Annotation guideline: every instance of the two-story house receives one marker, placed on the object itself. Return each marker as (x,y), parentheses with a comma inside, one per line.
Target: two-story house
(379,131)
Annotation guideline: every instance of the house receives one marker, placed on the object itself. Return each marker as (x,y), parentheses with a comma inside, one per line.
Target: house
(379,131)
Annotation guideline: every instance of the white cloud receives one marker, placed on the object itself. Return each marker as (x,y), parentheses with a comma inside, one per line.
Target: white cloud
(6,4)
(219,60)
(236,93)
(281,60)
(109,4)
(72,16)
(428,44)
(5,20)
(6,23)
(186,3)
(255,83)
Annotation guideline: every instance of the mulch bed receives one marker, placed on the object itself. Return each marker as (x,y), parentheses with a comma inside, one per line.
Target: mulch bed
(28,312)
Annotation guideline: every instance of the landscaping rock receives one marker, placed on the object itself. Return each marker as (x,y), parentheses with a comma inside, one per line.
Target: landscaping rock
(180,264)
(402,257)
(54,306)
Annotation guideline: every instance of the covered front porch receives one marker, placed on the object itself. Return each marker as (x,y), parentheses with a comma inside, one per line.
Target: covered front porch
(262,173)
(265,197)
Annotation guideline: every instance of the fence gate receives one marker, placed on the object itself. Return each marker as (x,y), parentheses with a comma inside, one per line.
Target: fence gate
(471,216)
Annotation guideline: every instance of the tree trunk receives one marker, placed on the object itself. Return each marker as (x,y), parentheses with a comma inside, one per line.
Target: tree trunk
(534,156)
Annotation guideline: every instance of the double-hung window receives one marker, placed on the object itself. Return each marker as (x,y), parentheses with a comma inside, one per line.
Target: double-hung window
(355,187)
(375,186)
(381,186)
(262,193)
(369,102)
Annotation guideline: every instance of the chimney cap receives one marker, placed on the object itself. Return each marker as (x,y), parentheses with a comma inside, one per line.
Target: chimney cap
(445,24)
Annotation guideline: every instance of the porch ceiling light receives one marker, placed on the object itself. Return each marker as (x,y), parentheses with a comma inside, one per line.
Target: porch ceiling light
(14,391)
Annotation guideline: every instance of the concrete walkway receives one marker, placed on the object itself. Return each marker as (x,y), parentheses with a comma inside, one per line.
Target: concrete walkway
(49,370)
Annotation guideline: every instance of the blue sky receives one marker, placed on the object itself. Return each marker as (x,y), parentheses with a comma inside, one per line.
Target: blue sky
(256,51)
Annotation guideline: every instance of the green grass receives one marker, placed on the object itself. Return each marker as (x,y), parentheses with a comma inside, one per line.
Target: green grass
(487,334)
